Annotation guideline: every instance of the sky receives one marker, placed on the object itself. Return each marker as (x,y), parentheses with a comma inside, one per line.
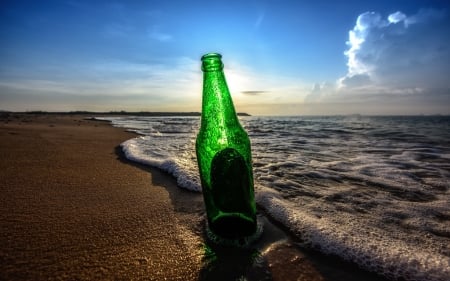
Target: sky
(384,57)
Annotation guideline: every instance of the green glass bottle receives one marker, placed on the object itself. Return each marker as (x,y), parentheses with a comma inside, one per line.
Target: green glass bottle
(224,158)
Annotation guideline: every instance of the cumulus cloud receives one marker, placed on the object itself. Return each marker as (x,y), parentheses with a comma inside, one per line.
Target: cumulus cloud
(396,64)
(399,50)
(320,91)
(396,17)
(356,80)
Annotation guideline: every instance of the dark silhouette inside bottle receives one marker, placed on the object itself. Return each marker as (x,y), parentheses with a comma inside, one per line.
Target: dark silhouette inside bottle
(230,181)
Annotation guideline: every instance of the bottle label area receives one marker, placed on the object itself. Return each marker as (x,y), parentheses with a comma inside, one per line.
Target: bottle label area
(231,192)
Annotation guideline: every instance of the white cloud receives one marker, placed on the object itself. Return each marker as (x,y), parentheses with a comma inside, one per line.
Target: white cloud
(355,80)
(320,91)
(397,64)
(396,17)
(172,84)
(106,85)
(399,51)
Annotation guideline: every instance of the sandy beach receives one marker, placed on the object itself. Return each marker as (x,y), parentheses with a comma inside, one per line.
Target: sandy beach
(73,208)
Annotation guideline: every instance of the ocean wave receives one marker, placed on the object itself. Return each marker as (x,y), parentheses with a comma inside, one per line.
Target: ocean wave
(363,244)
(363,189)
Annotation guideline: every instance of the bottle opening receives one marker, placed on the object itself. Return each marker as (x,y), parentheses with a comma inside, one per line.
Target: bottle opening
(212,62)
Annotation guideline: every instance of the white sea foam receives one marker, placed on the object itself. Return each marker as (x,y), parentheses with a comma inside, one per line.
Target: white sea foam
(186,178)
(368,246)
(365,189)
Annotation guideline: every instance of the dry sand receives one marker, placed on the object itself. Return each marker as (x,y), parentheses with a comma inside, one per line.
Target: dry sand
(72,208)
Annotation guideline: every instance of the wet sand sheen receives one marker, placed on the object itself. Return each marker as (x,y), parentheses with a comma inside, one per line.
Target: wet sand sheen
(72,207)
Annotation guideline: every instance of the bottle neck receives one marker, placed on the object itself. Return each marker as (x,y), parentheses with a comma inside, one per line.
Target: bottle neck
(217,105)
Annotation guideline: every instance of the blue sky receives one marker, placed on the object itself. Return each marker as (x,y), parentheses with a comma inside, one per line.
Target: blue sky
(281,57)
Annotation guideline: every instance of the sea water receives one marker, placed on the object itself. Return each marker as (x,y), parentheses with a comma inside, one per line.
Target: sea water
(372,190)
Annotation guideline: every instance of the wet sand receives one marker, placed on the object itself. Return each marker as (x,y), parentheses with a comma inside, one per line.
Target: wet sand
(73,208)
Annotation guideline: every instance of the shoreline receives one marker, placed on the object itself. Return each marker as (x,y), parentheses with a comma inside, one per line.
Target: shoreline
(75,208)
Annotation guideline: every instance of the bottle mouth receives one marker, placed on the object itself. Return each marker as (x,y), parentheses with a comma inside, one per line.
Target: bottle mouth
(212,62)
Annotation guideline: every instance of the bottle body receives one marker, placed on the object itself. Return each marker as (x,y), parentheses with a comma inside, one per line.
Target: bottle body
(224,158)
